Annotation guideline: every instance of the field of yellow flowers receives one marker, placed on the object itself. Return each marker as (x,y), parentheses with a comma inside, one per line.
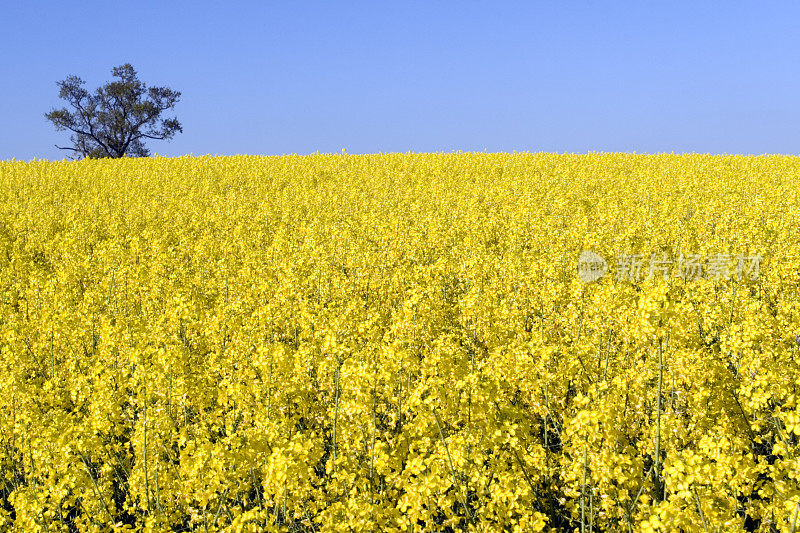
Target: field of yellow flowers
(400,342)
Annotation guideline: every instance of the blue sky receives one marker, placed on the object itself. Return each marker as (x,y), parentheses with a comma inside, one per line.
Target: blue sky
(301,77)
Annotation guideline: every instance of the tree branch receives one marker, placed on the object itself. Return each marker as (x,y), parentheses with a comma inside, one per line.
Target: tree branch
(67,148)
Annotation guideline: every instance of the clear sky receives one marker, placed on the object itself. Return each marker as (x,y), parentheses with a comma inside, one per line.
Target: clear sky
(301,77)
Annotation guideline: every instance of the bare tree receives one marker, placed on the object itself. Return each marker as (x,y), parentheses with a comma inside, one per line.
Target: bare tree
(117,118)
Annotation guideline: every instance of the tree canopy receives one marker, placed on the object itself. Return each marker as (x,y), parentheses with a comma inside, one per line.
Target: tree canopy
(117,118)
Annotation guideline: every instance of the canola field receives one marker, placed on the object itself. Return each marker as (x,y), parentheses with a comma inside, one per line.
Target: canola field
(400,342)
